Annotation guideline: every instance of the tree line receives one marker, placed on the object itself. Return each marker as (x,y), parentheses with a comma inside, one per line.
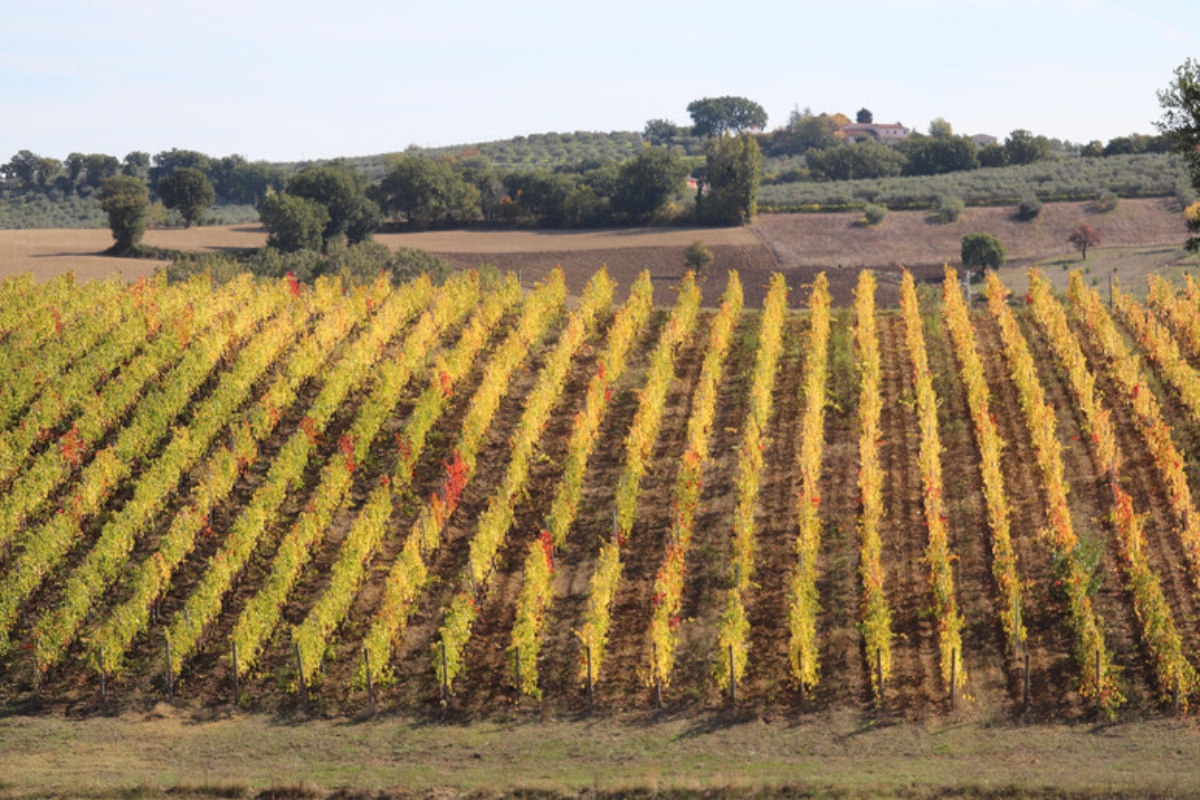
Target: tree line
(320,203)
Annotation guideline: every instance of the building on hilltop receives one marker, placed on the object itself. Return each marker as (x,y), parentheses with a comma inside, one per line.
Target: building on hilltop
(887,134)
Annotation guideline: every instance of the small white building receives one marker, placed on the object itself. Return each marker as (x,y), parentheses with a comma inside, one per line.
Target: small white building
(882,132)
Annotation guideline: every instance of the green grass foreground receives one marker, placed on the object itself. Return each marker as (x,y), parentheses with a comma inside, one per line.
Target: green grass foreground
(162,754)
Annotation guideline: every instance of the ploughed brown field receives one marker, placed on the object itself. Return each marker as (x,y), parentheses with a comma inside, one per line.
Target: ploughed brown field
(1139,237)
(76,680)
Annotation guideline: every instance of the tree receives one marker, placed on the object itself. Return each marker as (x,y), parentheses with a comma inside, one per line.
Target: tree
(940,128)
(982,251)
(716,116)
(75,164)
(805,131)
(658,131)
(734,170)
(1022,147)
(1180,125)
(1083,237)
(188,191)
(136,164)
(343,193)
(542,193)
(866,159)
(931,155)
(126,201)
(864,116)
(99,167)
(993,155)
(27,169)
(294,223)
(237,180)
(168,161)
(478,171)
(698,256)
(647,183)
(426,191)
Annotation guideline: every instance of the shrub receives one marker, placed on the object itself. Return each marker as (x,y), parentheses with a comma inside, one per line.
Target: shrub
(1028,209)
(698,255)
(950,208)
(408,263)
(1105,202)
(873,214)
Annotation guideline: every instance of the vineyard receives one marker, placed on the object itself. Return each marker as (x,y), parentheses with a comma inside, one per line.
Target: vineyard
(476,497)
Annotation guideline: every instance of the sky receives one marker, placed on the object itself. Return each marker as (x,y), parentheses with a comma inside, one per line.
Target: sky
(297,80)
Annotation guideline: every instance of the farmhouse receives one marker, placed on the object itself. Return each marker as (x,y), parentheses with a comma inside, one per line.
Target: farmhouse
(888,134)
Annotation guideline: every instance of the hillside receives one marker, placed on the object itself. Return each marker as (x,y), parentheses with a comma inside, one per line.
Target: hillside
(341,483)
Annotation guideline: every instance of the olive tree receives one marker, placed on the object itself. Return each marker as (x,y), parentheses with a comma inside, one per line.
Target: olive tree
(188,191)
(126,201)
(982,251)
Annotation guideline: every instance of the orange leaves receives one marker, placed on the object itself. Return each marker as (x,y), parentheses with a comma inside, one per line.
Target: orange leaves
(72,447)
(670,577)
(876,616)
(1040,421)
(938,551)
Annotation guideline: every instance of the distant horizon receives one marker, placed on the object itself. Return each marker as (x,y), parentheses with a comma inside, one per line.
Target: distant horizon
(293,82)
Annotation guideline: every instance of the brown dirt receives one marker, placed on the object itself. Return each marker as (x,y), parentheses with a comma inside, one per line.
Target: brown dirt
(843,679)
(1091,509)
(622,681)
(707,572)
(916,675)
(910,238)
(487,682)
(1048,641)
(915,692)
(767,680)
(985,653)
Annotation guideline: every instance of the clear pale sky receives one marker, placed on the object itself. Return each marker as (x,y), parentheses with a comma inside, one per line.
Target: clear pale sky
(292,80)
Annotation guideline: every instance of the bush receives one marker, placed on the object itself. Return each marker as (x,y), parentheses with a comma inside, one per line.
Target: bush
(220,267)
(698,256)
(982,251)
(1028,209)
(950,208)
(408,263)
(1105,202)
(874,214)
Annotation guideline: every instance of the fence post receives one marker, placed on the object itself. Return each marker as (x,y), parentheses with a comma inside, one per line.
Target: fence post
(879,674)
(732,680)
(587,648)
(303,686)
(370,684)
(953,677)
(170,672)
(236,685)
(800,663)
(657,678)
(445,675)
(1025,696)
(517,652)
